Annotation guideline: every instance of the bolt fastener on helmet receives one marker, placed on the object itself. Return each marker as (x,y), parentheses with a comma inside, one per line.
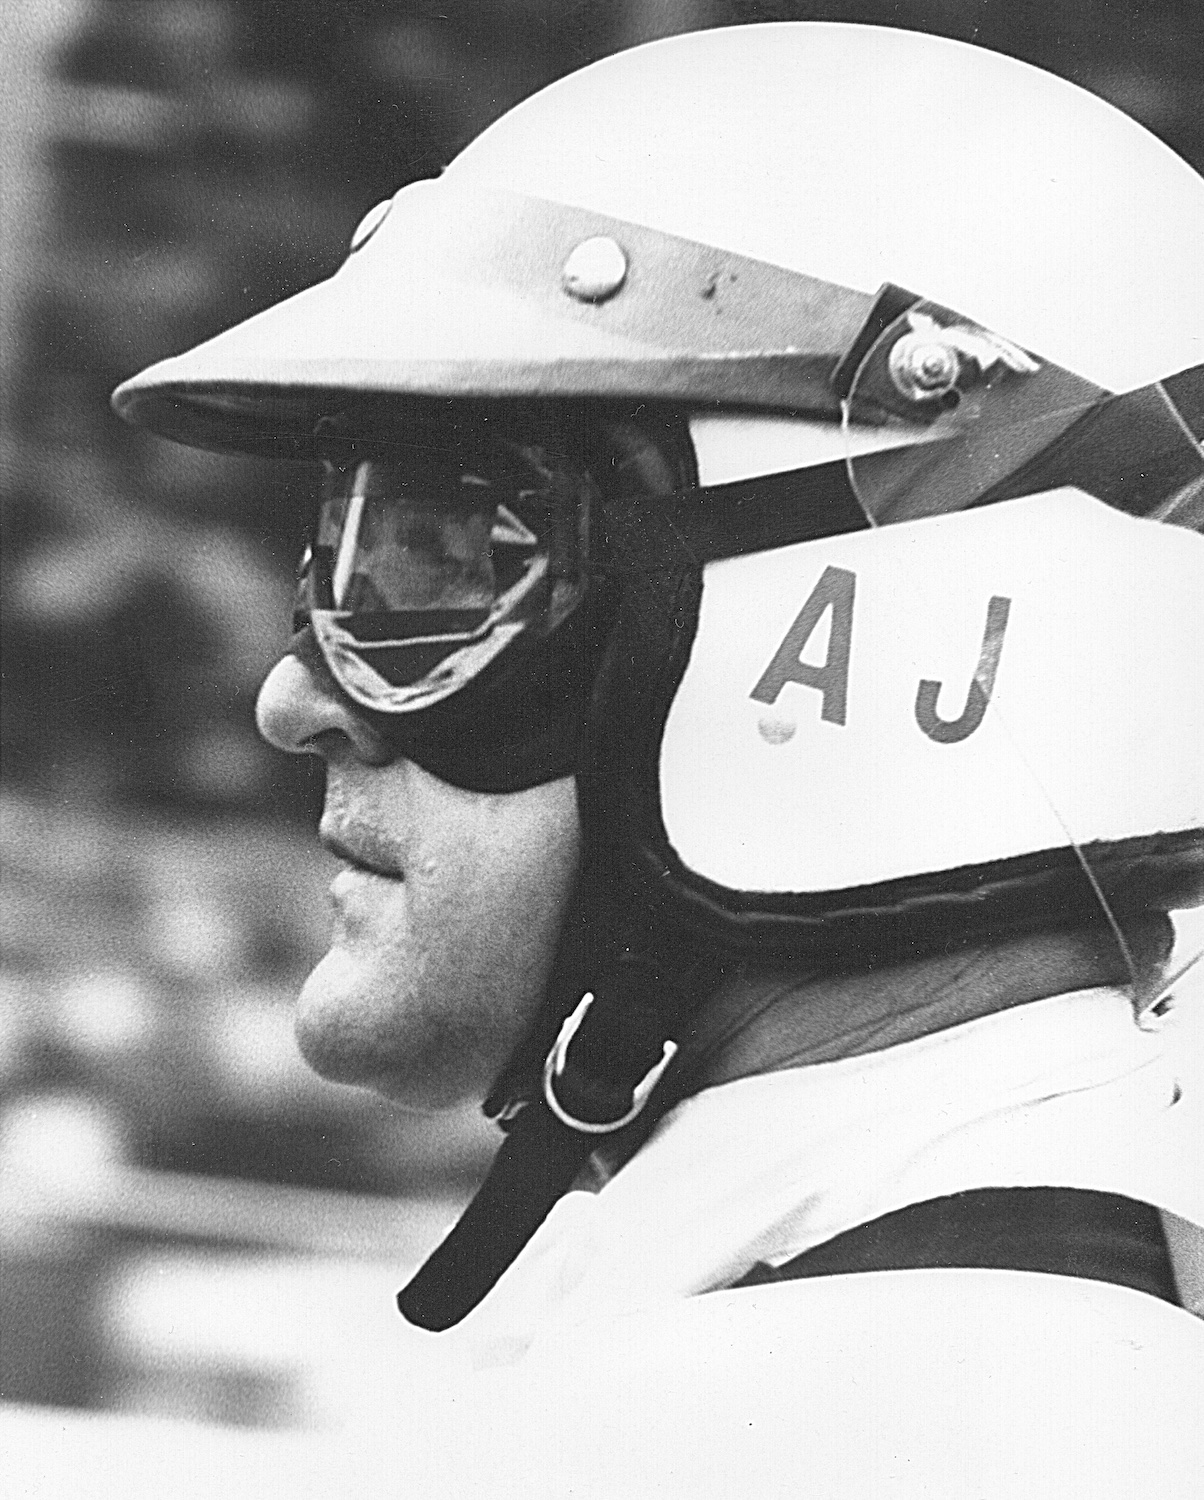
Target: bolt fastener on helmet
(923,370)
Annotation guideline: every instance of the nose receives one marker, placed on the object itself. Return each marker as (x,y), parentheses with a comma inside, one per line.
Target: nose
(298,710)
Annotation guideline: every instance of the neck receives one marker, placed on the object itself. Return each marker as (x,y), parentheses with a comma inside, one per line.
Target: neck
(764,1018)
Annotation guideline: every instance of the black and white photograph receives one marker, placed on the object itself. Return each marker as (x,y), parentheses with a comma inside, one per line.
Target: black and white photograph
(602,732)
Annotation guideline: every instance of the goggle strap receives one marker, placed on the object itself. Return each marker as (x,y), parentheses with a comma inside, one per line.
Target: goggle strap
(1138,452)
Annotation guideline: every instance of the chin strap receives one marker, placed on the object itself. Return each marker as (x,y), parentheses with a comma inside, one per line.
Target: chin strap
(536,1165)
(598,1078)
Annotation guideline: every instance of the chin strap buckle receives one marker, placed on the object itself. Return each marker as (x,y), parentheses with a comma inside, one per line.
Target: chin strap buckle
(554,1066)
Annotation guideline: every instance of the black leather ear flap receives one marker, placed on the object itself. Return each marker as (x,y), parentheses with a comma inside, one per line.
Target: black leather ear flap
(616,916)
(660,588)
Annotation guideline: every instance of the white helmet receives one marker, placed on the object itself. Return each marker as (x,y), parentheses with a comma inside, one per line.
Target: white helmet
(910,659)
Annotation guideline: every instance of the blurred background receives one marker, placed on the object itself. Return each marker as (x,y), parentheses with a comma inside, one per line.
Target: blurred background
(192,1225)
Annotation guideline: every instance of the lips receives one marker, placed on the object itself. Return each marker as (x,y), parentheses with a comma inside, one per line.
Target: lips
(361,848)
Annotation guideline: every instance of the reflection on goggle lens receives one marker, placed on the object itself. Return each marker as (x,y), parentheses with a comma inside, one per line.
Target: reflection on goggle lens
(425,567)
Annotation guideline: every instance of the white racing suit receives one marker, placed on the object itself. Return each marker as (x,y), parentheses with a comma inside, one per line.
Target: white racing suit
(624,1367)
(614,1360)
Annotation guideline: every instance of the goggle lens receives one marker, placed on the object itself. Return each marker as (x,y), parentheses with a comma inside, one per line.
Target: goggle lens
(424,568)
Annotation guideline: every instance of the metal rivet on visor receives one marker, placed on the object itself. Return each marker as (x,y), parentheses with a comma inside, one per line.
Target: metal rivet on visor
(594,270)
(922,368)
(369,224)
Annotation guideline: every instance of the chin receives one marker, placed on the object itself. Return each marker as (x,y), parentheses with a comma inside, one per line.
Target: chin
(346,1035)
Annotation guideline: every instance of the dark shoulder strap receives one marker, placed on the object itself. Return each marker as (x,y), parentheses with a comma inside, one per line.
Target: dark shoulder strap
(1064,1231)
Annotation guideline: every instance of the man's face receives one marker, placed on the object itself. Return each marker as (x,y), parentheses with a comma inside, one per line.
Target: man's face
(447,912)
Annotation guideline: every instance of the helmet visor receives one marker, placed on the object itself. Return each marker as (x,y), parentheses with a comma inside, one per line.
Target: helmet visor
(427,563)
(980,419)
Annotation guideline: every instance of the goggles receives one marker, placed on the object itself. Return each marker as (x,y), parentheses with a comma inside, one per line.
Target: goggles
(429,562)
(446,574)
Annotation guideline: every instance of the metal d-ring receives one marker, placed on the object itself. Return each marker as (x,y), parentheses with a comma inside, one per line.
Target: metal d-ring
(554,1066)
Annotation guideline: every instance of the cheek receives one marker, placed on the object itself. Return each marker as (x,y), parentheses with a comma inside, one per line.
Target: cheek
(488,895)
(484,922)
(430,985)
